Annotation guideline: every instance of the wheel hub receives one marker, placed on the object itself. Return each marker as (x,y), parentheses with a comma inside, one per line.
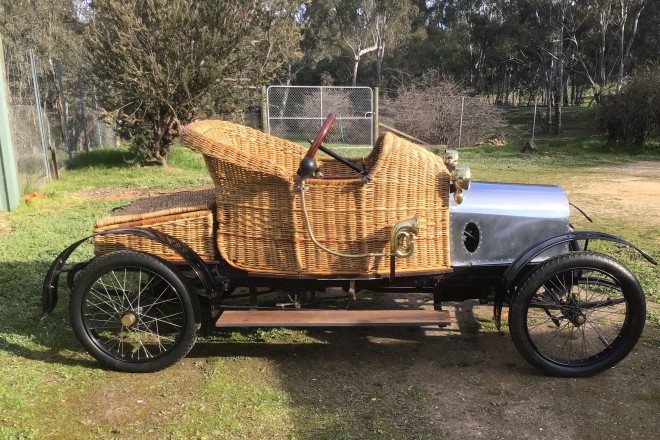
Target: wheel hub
(574,312)
(128,319)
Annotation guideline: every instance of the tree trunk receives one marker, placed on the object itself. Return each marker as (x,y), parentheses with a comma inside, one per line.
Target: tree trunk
(548,96)
(601,76)
(625,52)
(556,128)
(163,135)
(573,97)
(380,56)
(548,108)
(560,76)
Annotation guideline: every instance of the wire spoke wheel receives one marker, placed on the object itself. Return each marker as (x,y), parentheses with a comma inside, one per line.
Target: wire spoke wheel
(577,314)
(132,312)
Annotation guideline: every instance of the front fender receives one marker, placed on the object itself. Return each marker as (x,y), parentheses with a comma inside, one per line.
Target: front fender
(512,273)
(49,293)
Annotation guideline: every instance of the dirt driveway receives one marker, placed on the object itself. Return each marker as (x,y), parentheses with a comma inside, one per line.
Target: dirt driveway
(629,191)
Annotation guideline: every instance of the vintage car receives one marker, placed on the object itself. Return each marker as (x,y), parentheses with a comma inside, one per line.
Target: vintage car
(402,219)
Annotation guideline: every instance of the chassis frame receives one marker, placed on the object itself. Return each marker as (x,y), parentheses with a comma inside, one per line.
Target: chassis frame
(496,284)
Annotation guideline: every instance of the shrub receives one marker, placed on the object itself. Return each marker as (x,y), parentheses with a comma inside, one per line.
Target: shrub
(633,114)
(431,110)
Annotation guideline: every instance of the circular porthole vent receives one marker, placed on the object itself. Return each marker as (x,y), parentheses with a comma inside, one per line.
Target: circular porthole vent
(471,237)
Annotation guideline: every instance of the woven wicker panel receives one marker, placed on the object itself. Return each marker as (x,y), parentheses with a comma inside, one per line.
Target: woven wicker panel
(260,226)
(187,216)
(244,147)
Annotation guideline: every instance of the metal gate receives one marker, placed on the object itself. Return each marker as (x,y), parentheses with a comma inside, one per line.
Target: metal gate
(297,113)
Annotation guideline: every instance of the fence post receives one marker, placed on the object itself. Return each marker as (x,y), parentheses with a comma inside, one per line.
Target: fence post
(534,123)
(264,109)
(82,109)
(37,101)
(98,119)
(376,115)
(460,127)
(63,116)
(9,196)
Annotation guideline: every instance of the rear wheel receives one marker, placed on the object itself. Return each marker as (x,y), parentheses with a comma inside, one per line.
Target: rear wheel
(133,312)
(577,314)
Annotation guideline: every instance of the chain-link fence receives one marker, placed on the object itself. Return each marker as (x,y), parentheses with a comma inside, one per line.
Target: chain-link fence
(297,113)
(53,114)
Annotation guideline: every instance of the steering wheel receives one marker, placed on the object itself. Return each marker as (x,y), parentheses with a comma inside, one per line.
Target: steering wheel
(308,166)
(320,137)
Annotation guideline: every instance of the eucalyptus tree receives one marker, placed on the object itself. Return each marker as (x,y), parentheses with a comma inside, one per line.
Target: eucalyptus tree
(602,33)
(357,21)
(159,64)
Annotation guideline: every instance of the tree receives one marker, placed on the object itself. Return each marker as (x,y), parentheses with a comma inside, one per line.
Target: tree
(159,64)
(632,115)
(428,109)
(393,25)
(600,26)
(358,22)
(625,8)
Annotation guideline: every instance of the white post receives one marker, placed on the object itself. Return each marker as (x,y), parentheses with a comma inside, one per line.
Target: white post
(460,128)
(37,100)
(534,122)
(322,115)
(9,197)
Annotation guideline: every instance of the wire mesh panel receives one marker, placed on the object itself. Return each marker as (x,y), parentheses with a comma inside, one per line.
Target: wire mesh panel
(30,155)
(296,113)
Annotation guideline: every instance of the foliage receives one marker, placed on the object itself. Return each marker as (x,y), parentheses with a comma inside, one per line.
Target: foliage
(350,31)
(516,52)
(49,27)
(161,63)
(633,115)
(53,30)
(430,110)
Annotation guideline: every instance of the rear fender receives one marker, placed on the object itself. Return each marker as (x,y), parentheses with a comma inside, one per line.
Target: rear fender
(49,294)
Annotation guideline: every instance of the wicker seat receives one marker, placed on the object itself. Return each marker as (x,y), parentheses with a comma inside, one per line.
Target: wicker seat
(259,217)
(185,215)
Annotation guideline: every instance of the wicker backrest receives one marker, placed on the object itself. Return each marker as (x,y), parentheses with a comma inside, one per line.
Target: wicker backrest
(244,147)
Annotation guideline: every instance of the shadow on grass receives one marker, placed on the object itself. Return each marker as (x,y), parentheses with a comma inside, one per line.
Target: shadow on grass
(374,382)
(51,355)
(106,158)
(22,333)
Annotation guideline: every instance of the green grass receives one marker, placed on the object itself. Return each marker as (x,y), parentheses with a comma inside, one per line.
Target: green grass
(238,384)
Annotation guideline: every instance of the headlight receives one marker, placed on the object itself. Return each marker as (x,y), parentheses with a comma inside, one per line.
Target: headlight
(462,177)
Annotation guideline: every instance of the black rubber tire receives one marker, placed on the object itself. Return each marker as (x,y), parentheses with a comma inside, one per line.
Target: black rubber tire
(573,318)
(183,318)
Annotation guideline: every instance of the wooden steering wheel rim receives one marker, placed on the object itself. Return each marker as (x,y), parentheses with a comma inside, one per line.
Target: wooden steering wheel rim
(320,137)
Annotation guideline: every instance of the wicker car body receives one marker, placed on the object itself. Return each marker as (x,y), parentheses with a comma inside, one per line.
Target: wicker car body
(259,226)
(279,223)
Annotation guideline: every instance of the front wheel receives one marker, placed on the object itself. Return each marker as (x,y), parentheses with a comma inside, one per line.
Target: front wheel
(577,314)
(133,312)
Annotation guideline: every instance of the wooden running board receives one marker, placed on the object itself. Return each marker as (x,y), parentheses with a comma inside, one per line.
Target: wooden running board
(331,318)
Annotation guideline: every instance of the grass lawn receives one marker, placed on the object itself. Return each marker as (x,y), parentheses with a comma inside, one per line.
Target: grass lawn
(256,384)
